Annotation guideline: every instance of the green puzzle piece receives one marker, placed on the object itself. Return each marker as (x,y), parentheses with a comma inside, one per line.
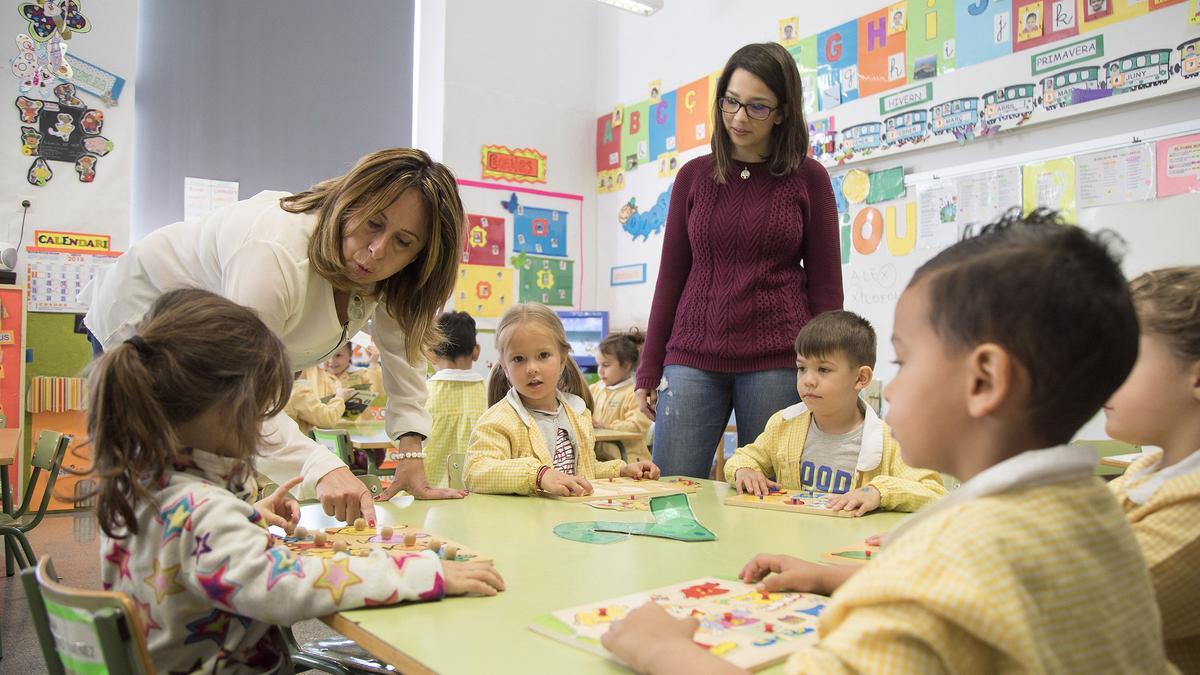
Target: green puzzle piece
(673,519)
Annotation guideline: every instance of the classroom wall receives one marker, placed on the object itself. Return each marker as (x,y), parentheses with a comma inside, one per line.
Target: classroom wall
(687,40)
(275,94)
(65,203)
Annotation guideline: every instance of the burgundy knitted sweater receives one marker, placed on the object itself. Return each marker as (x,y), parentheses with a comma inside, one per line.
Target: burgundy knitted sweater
(744,266)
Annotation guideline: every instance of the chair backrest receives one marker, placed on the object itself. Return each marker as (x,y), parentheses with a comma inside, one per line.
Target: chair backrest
(372,482)
(336,440)
(456,462)
(48,454)
(84,631)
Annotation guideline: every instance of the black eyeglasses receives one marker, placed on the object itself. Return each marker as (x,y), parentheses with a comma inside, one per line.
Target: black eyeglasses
(757,111)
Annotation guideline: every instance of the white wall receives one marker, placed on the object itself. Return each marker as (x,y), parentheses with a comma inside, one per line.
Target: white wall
(65,203)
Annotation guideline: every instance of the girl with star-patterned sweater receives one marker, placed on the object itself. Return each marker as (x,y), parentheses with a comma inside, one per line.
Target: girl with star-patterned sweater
(182,536)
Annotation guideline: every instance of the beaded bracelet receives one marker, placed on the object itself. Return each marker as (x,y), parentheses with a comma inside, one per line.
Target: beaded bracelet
(411,455)
(541,472)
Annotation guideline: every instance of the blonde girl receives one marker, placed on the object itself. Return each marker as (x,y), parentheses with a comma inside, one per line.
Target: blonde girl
(616,404)
(1159,406)
(175,418)
(537,435)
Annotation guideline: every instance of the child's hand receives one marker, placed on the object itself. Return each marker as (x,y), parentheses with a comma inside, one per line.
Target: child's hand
(649,634)
(598,425)
(345,394)
(372,354)
(859,501)
(785,573)
(753,482)
(279,509)
(471,577)
(643,469)
(877,539)
(555,482)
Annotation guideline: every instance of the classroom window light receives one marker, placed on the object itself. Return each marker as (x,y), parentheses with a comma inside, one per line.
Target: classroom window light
(642,7)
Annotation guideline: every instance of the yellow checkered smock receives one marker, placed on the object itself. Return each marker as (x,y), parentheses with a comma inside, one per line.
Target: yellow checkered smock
(1166,523)
(617,408)
(507,448)
(1044,579)
(457,399)
(779,448)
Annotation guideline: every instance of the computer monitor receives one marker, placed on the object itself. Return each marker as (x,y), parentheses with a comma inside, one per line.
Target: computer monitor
(584,331)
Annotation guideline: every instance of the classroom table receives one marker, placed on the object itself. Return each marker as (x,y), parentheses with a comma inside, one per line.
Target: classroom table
(10,443)
(367,435)
(544,573)
(1120,461)
(618,437)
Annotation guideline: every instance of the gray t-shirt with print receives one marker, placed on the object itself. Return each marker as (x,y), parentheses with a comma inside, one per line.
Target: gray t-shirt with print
(828,462)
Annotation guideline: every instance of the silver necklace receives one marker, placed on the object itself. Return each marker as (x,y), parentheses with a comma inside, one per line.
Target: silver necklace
(745,174)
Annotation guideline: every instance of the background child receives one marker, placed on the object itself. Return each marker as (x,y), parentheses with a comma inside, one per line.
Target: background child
(174,419)
(537,434)
(832,441)
(616,403)
(457,397)
(310,411)
(1159,405)
(1007,344)
(339,373)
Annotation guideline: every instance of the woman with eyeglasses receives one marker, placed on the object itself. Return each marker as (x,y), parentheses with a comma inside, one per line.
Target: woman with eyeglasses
(750,255)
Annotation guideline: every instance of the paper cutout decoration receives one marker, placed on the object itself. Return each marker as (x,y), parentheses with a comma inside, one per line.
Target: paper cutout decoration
(1178,162)
(693,117)
(618,115)
(881,62)
(804,53)
(635,137)
(930,42)
(837,69)
(517,165)
(886,185)
(608,144)
(1050,184)
(64,132)
(1055,20)
(982,31)
(662,126)
(856,185)
(1194,13)
(655,93)
(483,241)
(48,17)
(483,290)
(789,31)
(95,80)
(646,223)
(537,229)
(550,281)
(31,67)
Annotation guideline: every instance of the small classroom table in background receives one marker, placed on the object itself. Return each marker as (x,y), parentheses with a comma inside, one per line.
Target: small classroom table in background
(1120,461)
(545,573)
(618,437)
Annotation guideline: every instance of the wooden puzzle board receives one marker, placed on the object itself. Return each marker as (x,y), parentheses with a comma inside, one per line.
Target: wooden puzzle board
(604,489)
(796,501)
(361,541)
(741,625)
(642,502)
(851,555)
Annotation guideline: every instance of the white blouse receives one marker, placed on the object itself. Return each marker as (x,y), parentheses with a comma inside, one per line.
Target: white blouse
(256,254)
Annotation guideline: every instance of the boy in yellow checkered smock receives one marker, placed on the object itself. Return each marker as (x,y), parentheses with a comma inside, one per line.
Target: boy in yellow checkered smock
(616,403)
(1159,405)
(338,373)
(536,437)
(310,411)
(832,441)
(1007,343)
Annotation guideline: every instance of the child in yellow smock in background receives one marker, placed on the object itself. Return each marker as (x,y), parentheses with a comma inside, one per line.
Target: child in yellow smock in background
(310,411)
(338,372)
(537,435)
(1159,405)
(616,404)
(1008,343)
(457,397)
(832,441)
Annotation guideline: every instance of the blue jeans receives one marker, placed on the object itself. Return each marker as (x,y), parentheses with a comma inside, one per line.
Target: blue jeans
(694,408)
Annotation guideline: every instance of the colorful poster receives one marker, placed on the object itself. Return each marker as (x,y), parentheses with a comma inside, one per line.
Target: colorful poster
(550,281)
(930,45)
(837,62)
(789,31)
(1115,176)
(1041,22)
(518,165)
(1096,14)
(483,291)
(662,126)
(54,277)
(1194,13)
(692,118)
(937,215)
(1178,165)
(805,55)
(881,62)
(984,197)
(608,144)
(483,242)
(536,229)
(983,31)
(1050,184)
(635,141)
(1159,4)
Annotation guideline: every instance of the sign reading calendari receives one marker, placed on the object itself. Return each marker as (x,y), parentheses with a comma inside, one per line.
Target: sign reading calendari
(55,278)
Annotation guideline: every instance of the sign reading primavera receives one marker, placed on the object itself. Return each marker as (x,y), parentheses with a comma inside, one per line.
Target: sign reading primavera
(1075,52)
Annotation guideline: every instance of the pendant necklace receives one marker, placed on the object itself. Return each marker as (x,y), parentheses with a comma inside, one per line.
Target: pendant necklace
(745,173)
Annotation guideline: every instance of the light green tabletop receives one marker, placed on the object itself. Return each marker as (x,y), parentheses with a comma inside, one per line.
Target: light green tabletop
(545,573)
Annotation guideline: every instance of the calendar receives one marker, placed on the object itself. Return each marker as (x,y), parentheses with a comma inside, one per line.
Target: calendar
(55,278)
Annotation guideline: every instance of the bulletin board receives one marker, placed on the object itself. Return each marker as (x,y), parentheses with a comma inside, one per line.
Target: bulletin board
(12,366)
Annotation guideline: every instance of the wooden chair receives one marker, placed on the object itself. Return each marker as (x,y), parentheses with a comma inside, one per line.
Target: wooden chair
(47,457)
(338,442)
(84,631)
